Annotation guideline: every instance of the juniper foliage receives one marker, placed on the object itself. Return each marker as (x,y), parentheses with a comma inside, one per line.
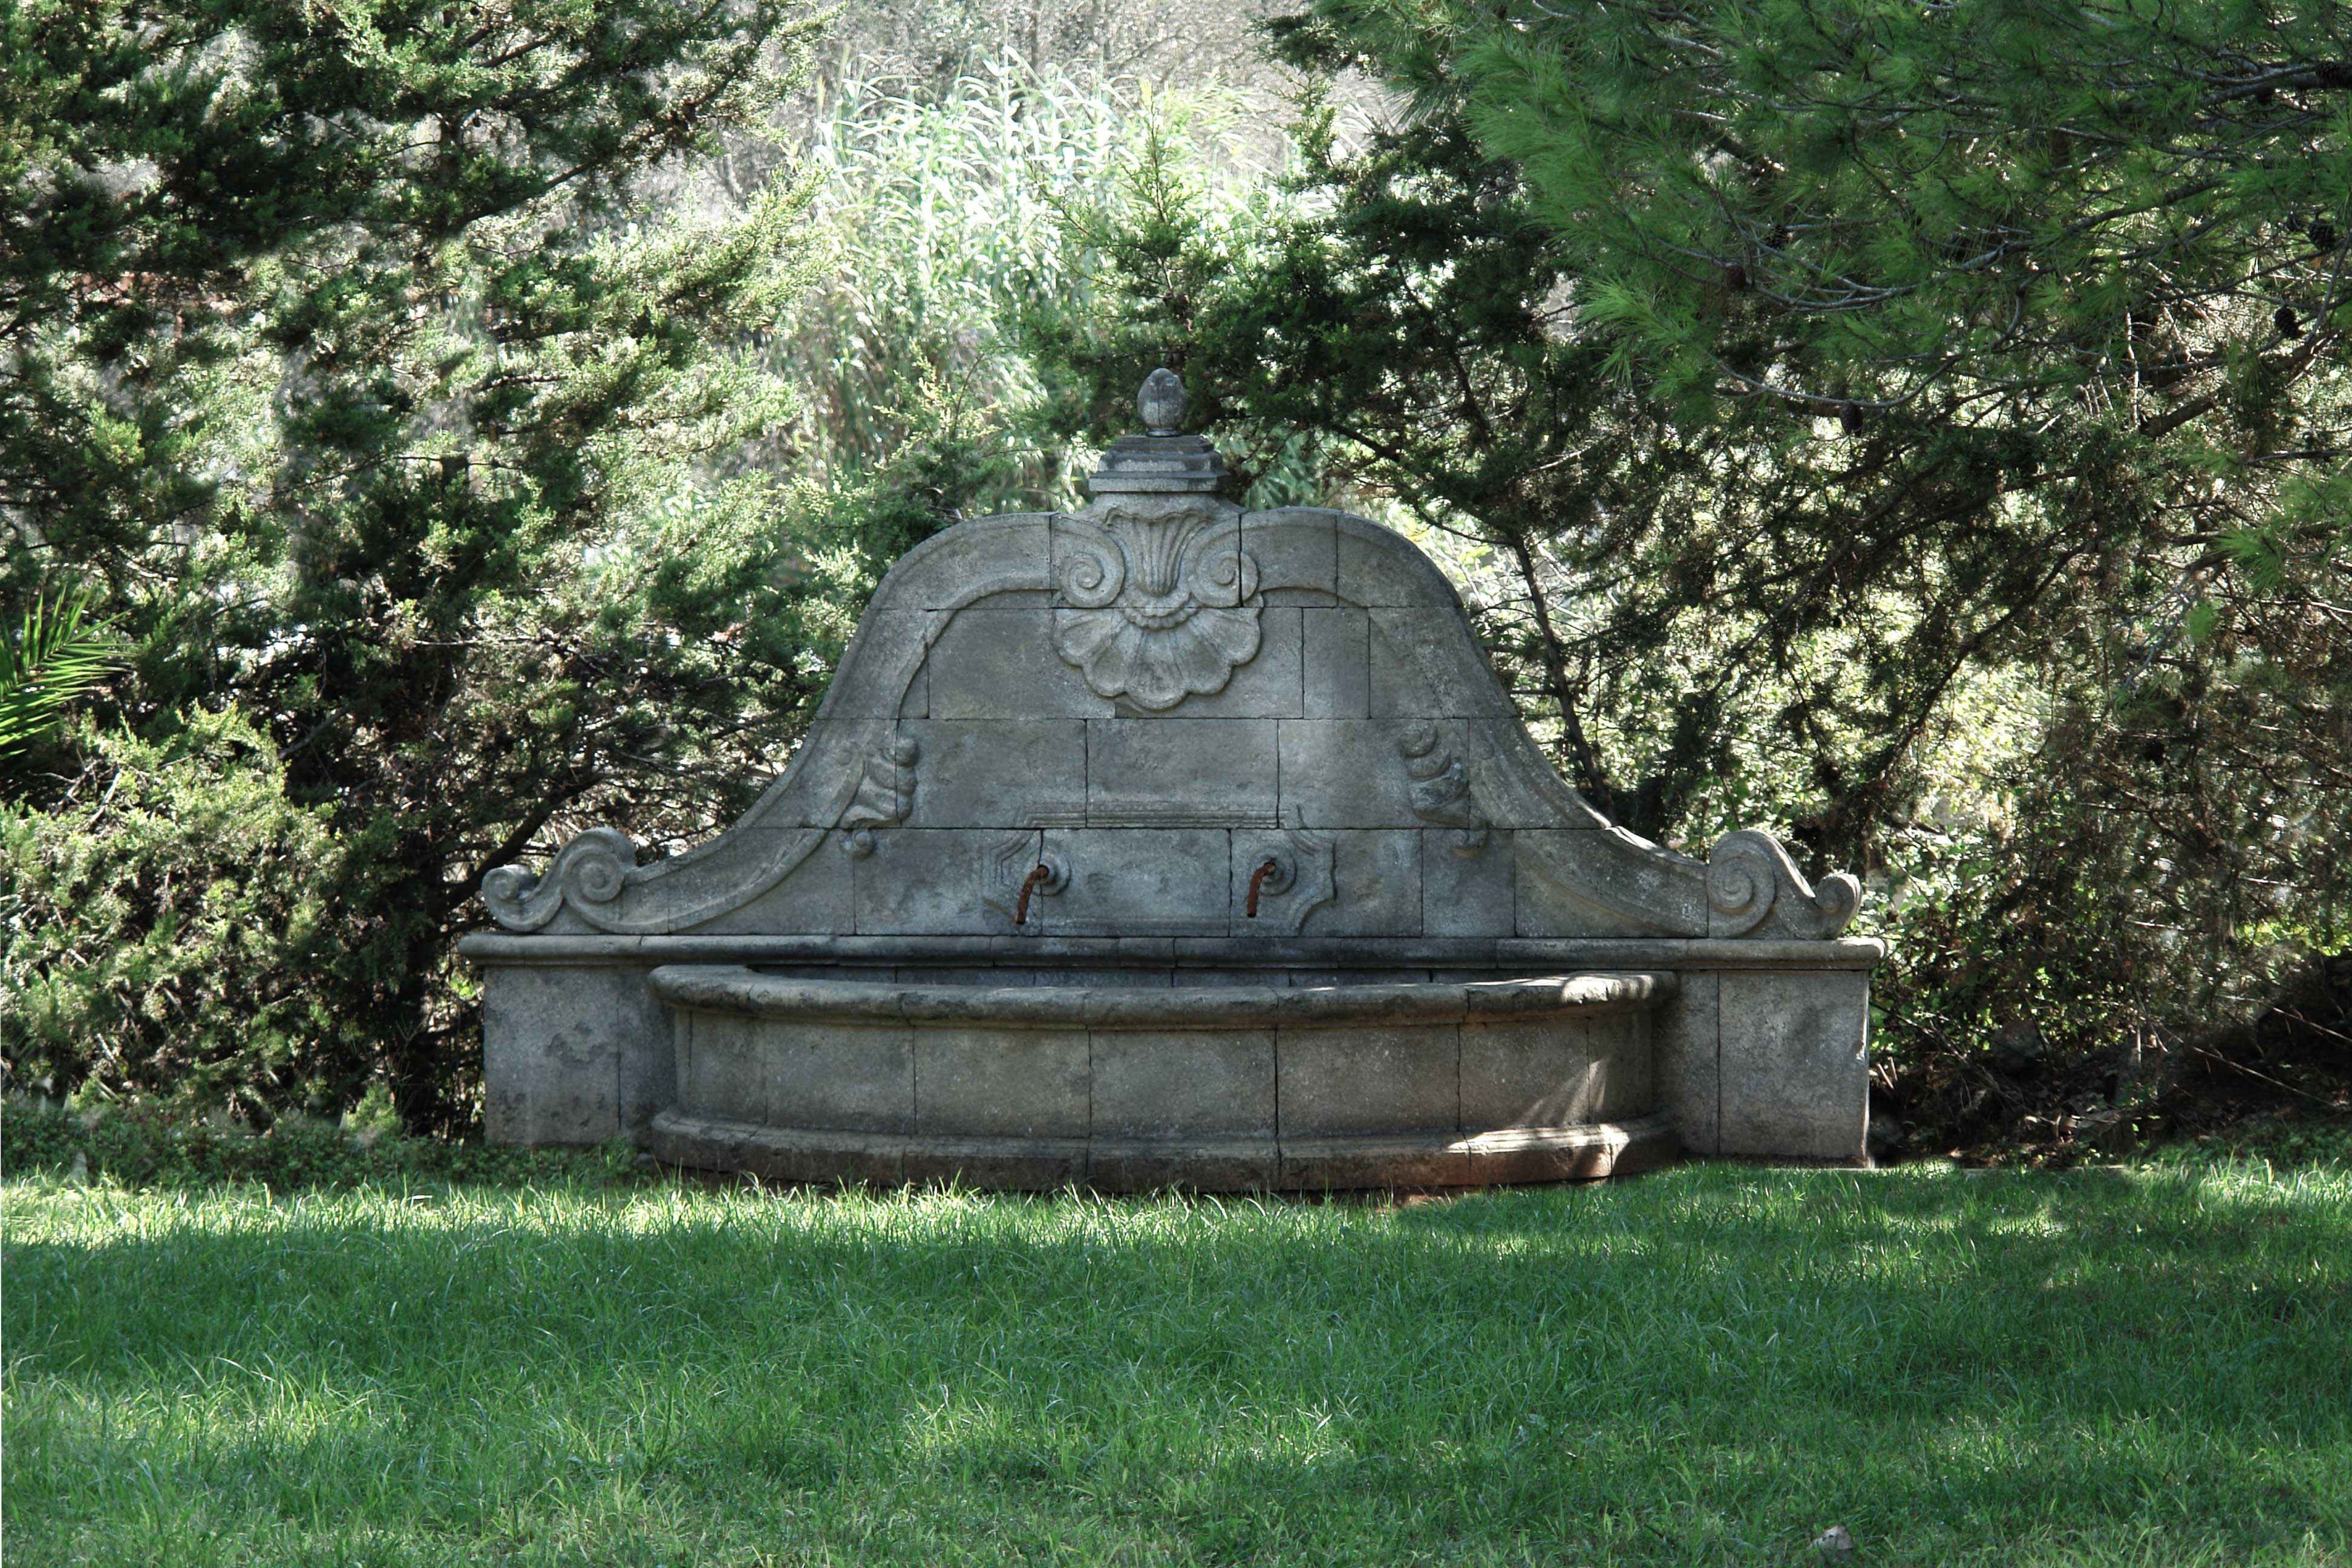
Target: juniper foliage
(1828,388)
(345,378)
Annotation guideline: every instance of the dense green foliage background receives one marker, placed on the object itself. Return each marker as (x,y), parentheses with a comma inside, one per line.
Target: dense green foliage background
(1919,430)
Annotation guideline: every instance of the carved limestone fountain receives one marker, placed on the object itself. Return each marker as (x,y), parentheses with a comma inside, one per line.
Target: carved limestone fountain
(1168,843)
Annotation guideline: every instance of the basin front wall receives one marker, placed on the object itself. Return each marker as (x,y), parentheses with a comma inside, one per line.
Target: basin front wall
(1121,1088)
(1761,1050)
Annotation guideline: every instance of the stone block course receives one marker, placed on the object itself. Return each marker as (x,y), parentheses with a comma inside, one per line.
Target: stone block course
(1338,654)
(1143,773)
(1794,1069)
(1363,1080)
(993,662)
(1215,1084)
(1132,881)
(857,1077)
(979,1082)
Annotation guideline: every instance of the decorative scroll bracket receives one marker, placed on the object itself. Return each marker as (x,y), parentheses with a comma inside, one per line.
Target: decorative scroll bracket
(1441,792)
(588,870)
(1753,888)
(884,796)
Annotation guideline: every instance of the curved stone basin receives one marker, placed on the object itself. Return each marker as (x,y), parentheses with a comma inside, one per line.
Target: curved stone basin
(1234,1086)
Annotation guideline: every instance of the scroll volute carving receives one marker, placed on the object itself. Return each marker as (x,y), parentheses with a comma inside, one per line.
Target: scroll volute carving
(1440,788)
(1753,888)
(588,870)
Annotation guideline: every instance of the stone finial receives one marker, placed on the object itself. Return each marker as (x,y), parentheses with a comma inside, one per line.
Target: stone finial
(1160,461)
(1161,403)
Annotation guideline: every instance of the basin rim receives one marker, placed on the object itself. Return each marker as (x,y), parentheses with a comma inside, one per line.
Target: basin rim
(742,990)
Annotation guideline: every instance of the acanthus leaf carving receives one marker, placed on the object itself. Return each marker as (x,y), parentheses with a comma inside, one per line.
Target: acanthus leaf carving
(1158,606)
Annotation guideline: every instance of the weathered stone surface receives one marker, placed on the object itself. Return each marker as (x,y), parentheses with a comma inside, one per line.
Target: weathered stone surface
(1153,772)
(1340,1165)
(1578,883)
(1368,1079)
(855,1077)
(996,661)
(1344,772)
(1377,568)
(1468,893)
(1296,549)
(719,1071)
(1377,877)
(1123,979)
(1795,1073)
(980,772)
(922,881)
(1554,1073)
(1128,880)
(1270,686)
(1423,668)
(992,1082)
(556,1041)
(1207,1083)
(817,895)
(987,558)
(1685,1059)
(1546,1074)
(1338,677)
(1194,1164)
(890,649)
(1572,1154)
(1002,897)
(1007,1165)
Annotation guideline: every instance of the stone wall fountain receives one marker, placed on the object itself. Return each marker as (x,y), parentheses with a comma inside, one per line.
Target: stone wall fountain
(1168,843)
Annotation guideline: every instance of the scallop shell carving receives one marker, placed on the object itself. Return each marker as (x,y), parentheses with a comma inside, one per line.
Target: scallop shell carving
(1158,606)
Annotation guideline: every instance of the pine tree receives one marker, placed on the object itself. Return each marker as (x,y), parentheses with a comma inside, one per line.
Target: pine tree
(352,373)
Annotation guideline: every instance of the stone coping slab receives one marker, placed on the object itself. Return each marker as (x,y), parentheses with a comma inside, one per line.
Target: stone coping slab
(1524,954)
(739,989)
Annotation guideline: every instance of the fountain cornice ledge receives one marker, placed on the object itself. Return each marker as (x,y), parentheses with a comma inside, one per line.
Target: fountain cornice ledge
(499,948)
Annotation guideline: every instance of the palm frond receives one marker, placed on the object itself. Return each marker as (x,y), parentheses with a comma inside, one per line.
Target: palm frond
(57,654)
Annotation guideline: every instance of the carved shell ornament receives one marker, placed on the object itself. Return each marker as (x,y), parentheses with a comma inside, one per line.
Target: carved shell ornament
(1158,605)
(1155,597)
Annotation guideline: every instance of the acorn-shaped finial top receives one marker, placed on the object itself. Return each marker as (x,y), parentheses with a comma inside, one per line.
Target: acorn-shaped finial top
(1161,403)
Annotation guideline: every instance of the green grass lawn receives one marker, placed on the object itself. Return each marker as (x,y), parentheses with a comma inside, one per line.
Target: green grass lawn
(1710,1364)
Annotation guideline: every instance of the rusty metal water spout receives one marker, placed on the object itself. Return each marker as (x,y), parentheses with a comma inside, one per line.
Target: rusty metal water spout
(1029,885)
(1257,880)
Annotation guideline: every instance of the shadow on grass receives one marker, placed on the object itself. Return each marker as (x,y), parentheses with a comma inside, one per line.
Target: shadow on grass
(1710,1364)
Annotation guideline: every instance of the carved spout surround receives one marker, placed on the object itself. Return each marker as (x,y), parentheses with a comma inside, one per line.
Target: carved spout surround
(1156,603)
